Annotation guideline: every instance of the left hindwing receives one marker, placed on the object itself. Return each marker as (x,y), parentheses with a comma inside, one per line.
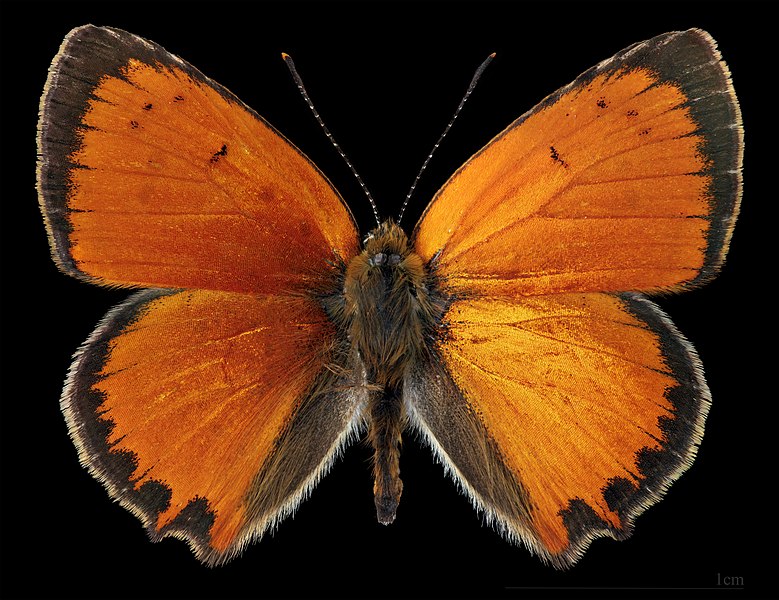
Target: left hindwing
(209,415)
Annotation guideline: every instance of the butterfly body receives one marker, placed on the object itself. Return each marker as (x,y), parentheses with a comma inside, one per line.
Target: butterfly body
(512,332)
(391,314)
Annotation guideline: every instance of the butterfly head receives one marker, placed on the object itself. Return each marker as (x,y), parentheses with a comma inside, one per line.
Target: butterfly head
(386,246)
(388,266)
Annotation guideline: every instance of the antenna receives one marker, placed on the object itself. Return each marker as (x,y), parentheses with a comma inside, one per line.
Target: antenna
(299,82)
(471,86)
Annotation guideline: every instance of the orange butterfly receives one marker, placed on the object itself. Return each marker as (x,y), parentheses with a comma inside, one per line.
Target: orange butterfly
(512,330)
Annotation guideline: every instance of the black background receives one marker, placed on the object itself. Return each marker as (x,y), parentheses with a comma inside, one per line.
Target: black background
(386,77)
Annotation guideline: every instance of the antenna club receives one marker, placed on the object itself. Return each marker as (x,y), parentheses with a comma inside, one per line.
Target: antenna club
(299,82)
(472,85)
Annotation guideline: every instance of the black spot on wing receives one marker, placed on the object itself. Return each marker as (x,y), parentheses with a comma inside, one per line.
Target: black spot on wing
(555,155)
(219,154)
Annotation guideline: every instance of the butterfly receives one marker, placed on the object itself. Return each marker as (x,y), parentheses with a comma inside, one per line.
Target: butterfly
(512,331)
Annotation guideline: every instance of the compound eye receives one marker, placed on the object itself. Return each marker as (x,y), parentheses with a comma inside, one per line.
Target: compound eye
(378,259)
(394,260)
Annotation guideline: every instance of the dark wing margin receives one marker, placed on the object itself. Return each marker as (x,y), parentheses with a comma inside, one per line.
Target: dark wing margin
(692,60)
(659,467)
(87,54)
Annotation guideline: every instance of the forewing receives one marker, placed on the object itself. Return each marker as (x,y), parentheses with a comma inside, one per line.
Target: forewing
(210,415)
(563,417)
(152,175)
(628,179)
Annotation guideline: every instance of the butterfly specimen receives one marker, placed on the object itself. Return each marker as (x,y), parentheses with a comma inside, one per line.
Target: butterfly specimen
(512,331)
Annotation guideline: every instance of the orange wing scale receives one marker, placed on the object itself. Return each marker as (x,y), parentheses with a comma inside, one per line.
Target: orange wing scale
(173,182)
(213,378)
(570,387)
(198,387)
(605,189)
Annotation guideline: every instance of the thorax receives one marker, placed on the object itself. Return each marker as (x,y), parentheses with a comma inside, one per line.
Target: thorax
(390,305)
